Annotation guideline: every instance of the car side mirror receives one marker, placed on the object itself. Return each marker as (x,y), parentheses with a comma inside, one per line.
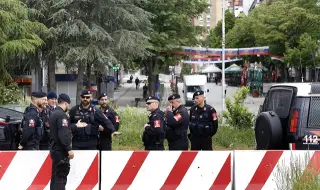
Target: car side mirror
(207,90)
(182,91)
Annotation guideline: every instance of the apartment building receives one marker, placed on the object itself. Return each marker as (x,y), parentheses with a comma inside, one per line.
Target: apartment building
(211,16)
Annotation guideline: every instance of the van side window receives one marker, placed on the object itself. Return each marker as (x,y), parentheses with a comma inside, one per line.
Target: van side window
(279,101)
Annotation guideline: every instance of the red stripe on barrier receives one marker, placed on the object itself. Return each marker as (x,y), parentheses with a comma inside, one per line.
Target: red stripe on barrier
(224,177)
(264,170)
(5,160)
(130,170)
(90,180)
(179,170)
(43,176)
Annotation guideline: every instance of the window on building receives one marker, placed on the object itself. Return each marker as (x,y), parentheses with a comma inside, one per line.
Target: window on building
(208,10)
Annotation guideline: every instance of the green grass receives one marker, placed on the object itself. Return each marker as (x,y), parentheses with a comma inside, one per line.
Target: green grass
(132,121)
(294,175)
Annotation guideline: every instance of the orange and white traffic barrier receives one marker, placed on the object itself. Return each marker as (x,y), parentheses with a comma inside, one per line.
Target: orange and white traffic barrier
(262,170)
(163,170)
(21,170)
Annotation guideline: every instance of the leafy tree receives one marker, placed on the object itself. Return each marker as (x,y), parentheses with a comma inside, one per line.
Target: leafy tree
(50,49)
(18,34)
(93,34)
(278,25)
(215,36)
(172,28)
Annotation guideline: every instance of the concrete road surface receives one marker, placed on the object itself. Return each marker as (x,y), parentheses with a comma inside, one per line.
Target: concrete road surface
(214,97)
(126,94)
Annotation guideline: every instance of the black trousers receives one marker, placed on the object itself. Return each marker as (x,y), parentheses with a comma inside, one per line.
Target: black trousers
(180,144)
(60,170)
(154,147)
(201,143)
(105,143)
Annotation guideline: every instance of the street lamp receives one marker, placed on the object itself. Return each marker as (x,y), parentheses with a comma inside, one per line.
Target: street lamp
(223,54)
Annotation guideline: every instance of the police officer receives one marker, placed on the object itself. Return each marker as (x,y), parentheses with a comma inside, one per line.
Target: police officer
(86,137)
(50,107)
(60,143)
(203,123)
(32,124)
(177,119)
(153,135)
(105,138)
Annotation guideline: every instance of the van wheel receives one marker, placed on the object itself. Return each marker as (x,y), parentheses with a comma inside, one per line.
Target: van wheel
(268,131)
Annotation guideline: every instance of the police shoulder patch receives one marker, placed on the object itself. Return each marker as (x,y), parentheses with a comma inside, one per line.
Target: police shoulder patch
(214,116)
(178,117)
(31,123)
(156,123)
(64,123)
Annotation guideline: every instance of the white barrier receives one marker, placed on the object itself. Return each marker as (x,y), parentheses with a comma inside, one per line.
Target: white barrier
(159,169)
(271,169)
(21,170)
(166,170)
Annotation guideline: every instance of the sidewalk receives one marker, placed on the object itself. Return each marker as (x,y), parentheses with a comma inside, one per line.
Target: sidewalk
(125,95)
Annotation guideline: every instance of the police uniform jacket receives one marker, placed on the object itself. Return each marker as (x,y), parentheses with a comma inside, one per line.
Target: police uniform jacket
(203,121)
(45,117)
(177,123)
(32,125)
(60,131)
(154,133)
(93,117)
(113,117)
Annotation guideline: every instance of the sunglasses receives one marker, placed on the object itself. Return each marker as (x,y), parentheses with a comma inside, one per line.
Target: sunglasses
(148,103)
(85,97)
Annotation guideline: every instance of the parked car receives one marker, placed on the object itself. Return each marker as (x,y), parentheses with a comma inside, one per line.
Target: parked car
(289,117)
(10,121)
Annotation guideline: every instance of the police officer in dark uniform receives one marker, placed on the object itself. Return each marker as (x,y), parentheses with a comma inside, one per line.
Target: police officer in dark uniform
(32,123)
(50,107)
(86,137)
(154,134)
(203,123)
(60,143)
(177,119)
(105,138)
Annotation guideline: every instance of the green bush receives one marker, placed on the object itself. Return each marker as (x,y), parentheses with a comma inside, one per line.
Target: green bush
(9,94)
(237,115)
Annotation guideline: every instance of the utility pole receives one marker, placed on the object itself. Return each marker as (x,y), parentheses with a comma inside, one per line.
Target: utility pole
(223,54)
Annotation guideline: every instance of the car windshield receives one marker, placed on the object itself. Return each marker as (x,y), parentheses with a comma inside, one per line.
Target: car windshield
(193,88)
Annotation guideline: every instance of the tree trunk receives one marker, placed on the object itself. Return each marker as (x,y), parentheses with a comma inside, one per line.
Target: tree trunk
(79,81)
(88,75)
(52,73)
(315,68)
(98,81)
